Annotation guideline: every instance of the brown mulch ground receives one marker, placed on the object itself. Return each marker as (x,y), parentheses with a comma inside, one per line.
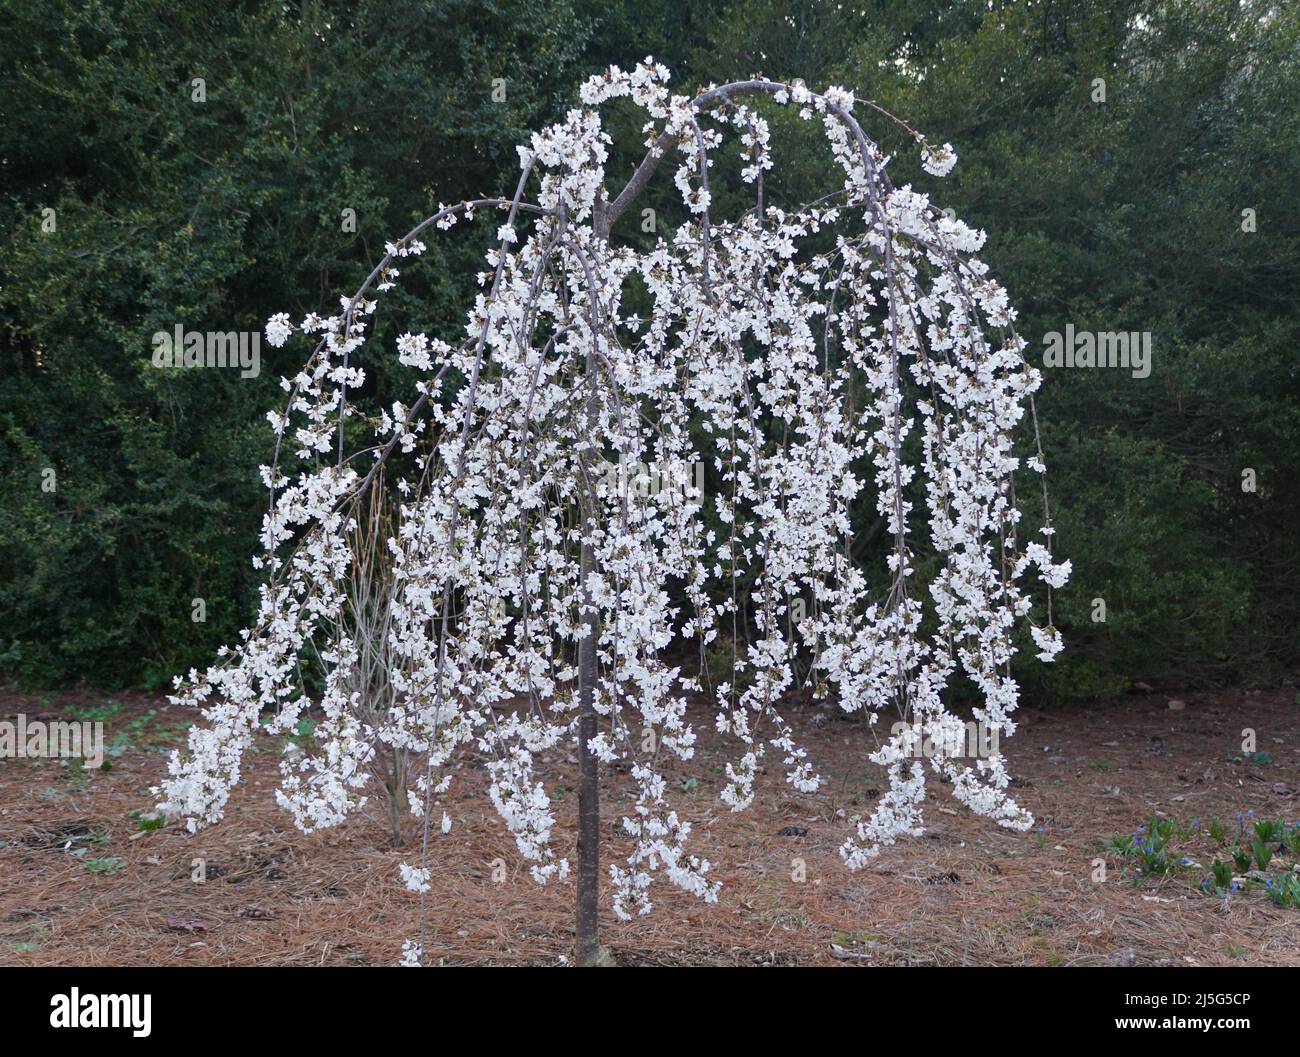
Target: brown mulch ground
(80,884)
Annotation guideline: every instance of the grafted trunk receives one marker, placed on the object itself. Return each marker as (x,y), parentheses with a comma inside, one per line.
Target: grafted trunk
(587,950)
(586,930)
(395,788)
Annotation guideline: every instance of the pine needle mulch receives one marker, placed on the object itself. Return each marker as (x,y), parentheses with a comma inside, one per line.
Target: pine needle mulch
(81,884)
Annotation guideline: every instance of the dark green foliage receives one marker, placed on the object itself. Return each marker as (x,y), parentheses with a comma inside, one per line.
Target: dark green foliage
(212,215)
(1119,216)
(1123,215)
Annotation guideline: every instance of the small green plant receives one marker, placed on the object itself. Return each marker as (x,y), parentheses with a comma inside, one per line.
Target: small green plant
(1218,832)
(1270,831)
(28,946)
(304,731)
(1149,846)
(105,867)
(94,713)
(1223,874)
(74,843)
(1263,853)
(1242,859)
(1285,891)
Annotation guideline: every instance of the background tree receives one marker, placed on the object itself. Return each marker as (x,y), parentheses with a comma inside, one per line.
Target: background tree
(1126,214)
(1122,214)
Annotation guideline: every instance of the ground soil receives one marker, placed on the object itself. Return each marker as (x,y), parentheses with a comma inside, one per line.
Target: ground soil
(82,884)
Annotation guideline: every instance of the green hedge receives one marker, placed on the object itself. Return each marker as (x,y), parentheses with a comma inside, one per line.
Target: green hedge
(1116,215)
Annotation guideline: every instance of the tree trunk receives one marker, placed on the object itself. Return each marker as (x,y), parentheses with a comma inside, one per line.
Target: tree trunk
(587,933)
(395,787)
(587,948)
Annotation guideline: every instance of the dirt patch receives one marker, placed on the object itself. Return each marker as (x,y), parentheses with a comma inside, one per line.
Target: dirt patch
(82,884)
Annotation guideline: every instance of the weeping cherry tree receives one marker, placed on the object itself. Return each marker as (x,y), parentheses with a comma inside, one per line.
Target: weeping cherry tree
(852,354)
